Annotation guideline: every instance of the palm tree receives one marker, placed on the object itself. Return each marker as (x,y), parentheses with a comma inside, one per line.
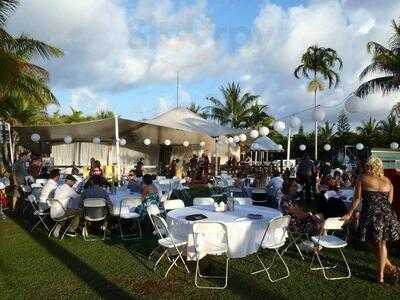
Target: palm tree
(197,109)
(104,114)
(368,128)
(385,61)
(19,111)
(235,108)
(258,117)
(327,132)
(318,64)
(389,129)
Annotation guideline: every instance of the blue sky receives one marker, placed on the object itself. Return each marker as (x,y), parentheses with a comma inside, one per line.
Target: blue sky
(121,55)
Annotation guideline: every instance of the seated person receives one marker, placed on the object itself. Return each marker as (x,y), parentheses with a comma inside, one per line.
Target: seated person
(134,183)
(276,182)
(149,196)
(301,221)
(335,182)
(70,201)
(50,186)
(96,187)
(347,181)
(3,196)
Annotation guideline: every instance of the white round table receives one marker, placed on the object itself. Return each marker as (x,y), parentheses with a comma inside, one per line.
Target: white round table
(244,234)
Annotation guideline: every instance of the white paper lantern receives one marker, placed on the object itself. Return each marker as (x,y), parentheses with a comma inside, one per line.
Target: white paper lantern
(327,147)
(264,131)
(294,122)
(230,140)
(242,137)
(185,144)
(318,114)
(202,144)
(280,147)
(279,126)
(147,141)
(68,139)
(353,104)
(302,147)
(122,142)
(359,146)
(254,133)
(167,142)
(35,137)
(96,140)
(236,139)
(394,145)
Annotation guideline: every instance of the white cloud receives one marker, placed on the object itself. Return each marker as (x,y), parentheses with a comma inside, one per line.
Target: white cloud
(87,101)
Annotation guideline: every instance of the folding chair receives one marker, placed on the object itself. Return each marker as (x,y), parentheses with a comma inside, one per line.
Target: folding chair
(210,238)
(127,212)
(243,201)
(153,210)
(330,242)
(273,240)
(94,210)
(199,201)
(55,208)
(41,212)
(171,244)
(173,204)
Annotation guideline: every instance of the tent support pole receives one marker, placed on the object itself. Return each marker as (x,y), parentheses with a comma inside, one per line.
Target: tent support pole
(288,147)
(216,156)
(117,148)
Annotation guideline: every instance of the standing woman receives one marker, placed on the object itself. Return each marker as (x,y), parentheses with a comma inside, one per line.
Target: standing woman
(378,222)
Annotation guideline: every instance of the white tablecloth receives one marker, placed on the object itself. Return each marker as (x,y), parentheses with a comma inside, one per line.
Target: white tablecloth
(168,185)
(244,234)
(117,197)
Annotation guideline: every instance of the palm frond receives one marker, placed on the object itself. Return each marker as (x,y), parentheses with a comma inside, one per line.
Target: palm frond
(6,8)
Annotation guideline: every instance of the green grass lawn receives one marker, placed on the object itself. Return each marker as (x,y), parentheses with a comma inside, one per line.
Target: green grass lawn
(33,266)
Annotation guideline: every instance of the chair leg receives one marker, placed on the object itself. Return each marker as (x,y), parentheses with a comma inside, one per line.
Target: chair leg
(153,252)
(199,275)
(324,268)
(266,269)
(52,229)
(66,230)
(43,222)
(130,237)
(174,262)
(159,259)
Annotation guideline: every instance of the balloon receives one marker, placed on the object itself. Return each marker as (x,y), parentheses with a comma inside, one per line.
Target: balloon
(394,145)
(185,143)
(353,104)
(319,114)
(147,141)
(243,137)
(202,144)
(236,139)
(279,126)
(96,140)
(327,147)
(35,137)
(254,133)
(167,142)
(359,146)
(302,147)
(122,142)
(280,147)
(264,131)
(294,122)
(68,139)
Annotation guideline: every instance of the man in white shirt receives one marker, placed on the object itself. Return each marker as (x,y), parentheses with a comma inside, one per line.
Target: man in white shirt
(68,204)
(50,186)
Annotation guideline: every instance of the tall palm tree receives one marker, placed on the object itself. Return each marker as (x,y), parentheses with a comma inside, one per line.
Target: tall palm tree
(319,64)
(235,108)
(258,117)
(386,62)
(197,109)
(19,111)
(368,128)
(327,132)
(389,128)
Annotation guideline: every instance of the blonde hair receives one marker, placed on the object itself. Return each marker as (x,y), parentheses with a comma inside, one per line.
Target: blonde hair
(374,166)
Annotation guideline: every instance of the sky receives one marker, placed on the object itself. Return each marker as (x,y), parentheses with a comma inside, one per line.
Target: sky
(123,55)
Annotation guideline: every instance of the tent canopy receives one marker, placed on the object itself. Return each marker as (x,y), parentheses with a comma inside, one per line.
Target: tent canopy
(184,119)
(265,144)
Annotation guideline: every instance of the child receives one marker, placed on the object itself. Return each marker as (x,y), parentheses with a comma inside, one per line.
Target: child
(3,196)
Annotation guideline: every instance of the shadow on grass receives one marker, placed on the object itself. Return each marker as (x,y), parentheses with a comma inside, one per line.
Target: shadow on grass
(93,279)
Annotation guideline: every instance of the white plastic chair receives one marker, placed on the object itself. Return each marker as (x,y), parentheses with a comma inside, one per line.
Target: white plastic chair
(330,242)
(171,244)
(41,181)
(127,212)
(243,201)
(210,238)
(154,210)
(272,240)
(94,210)
(203,201)
(173,204)
(40,212)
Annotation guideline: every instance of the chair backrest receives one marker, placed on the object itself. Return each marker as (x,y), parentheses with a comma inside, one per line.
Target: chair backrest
(173,204)
(128,204)
(203,201)
(243,201)
(153,210)
(276,224)
(57,210)
(41,181)
(333,223)
(94,209)
(161,227)
(210,238)
(165,196)
(26,188)
(331,194)
(258,191)
(36,185)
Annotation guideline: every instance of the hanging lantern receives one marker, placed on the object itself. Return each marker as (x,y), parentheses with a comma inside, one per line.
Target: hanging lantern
(279,126)
(327,147)
(167,142)
(280,147)
(122,142)
(35,137)
(185,144)
(264,131)
(353,104)
(96,140)
(68,139)
(236,139)
(318,114)
(202,144)
(242,137)
(147,141)
(230,140)
(302,147)
(254,133)
(294,122)
(359,146)
(394,145)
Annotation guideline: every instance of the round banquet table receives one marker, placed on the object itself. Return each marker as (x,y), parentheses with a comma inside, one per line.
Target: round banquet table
(244,234)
